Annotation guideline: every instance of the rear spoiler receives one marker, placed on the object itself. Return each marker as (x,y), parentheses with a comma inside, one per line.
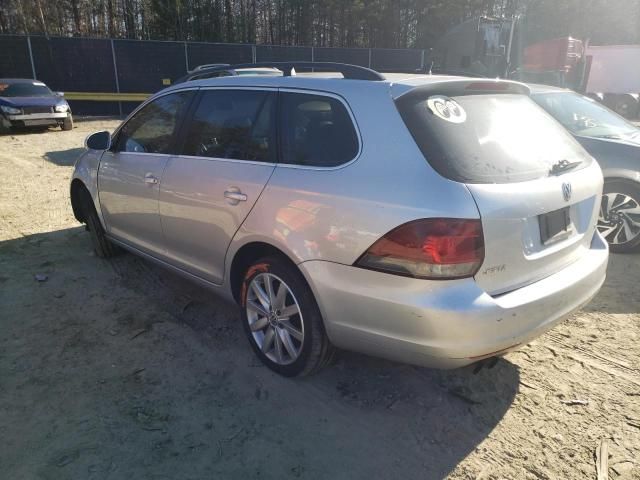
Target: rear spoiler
(466,86)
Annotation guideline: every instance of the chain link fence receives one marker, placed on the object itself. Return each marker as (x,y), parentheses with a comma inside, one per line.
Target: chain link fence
(141,66)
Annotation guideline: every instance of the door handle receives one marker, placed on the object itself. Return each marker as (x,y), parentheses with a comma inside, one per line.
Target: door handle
(235,196)
(150,179)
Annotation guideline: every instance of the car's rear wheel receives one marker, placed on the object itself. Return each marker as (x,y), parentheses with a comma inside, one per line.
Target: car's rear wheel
(101,244)
(282,320)
(68,123)
(619,220)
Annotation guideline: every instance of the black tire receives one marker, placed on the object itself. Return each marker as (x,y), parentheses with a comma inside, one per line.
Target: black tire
(613,211)
(101,244)
(68,123)
(315,349)
(623,104)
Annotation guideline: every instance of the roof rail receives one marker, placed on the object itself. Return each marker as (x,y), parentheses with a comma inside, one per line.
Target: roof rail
(207,65)
(353,72)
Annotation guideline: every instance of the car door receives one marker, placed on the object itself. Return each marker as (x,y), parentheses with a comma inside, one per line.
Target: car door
(130,173)
(228,152)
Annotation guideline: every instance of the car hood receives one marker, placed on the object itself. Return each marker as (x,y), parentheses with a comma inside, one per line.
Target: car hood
(17,102)
(613,153)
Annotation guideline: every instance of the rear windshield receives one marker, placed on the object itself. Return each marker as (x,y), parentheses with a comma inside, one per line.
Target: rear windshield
(500,138)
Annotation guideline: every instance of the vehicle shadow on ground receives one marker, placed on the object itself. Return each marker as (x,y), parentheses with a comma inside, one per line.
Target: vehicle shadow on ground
(619,294)
(27,131)
(119,359)
(64,158)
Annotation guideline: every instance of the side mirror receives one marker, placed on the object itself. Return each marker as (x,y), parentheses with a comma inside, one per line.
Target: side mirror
(60,94)
(98,141)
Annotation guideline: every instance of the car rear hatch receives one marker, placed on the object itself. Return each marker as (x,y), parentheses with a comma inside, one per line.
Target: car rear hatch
(537,191)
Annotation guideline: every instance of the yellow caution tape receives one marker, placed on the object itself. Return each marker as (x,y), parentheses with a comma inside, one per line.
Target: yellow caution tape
(107,97)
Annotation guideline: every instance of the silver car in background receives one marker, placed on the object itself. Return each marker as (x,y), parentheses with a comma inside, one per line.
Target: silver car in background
(431,220)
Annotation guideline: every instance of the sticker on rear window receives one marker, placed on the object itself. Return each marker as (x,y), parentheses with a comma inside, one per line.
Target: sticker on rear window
(446,109)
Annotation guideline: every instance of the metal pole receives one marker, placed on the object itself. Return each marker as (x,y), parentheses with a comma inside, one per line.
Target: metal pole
(115,73)
(422,62)
(369,58)
(33,65)
(514,20)
(186,57)
(253,54)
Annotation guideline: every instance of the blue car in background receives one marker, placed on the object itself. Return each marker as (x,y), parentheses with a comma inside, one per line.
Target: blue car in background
(30,103)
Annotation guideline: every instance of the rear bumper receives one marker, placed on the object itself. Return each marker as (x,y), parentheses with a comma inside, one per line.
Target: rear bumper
(446,324)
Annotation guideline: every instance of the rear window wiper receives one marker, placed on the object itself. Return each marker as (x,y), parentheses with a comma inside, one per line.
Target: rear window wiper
(563,166)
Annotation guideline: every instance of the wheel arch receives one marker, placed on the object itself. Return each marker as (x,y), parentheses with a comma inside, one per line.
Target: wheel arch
(85,175)
(78,188)
(245,256)
(622,175)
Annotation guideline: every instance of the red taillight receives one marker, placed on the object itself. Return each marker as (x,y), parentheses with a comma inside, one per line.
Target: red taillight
(434,248)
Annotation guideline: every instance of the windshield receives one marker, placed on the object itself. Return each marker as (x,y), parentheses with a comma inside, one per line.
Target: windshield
(34,89)
(586,117)
(501,138)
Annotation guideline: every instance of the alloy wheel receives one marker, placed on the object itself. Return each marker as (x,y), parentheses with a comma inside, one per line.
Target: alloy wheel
(619,219)
(275,319)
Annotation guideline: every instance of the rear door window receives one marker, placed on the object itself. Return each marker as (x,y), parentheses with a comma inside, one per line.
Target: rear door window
(316,131)
(500,138)
(233,124)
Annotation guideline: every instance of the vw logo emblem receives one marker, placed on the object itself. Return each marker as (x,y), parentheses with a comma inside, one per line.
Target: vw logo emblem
(566,191)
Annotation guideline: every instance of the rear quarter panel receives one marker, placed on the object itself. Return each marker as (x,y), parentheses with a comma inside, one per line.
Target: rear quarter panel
(336,214)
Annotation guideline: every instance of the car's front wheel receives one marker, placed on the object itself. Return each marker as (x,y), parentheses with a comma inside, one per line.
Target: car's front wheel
(68,123)
(101,244)
(619,220)
(282,320)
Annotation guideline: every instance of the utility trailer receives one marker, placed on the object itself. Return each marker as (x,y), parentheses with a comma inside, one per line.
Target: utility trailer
(613,77)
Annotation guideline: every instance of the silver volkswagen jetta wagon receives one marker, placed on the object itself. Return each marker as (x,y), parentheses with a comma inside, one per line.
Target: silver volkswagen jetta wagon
(432,220)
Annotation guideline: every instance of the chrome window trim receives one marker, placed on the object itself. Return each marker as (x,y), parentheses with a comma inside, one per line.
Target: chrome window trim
(227,160)
(254,162)
(143,153)
(356,127)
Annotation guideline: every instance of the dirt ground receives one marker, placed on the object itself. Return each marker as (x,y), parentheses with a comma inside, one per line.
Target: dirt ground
(117,369)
